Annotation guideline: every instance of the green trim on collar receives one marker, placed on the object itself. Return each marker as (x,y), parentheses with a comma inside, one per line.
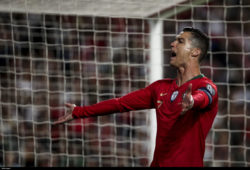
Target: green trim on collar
(199,76)
(196,77)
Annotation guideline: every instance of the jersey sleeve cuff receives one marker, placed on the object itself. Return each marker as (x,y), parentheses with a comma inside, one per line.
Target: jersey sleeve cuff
(77,112)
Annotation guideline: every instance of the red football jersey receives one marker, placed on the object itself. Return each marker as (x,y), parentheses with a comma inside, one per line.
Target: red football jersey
(180,139)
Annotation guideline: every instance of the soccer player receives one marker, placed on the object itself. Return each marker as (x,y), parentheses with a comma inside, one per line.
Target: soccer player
(185,106)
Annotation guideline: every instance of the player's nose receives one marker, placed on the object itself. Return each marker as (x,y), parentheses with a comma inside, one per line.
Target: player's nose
(172,45)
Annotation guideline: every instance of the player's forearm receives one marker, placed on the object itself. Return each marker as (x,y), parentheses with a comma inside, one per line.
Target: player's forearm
(102,108)
(136,100)
(201,100)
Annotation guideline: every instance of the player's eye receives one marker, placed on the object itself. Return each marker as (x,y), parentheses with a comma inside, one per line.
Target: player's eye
(180,40)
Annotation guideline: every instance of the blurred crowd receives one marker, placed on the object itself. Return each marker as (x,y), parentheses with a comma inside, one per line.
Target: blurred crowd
(49,59)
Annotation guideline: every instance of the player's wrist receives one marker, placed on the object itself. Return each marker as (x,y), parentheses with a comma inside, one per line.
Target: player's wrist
(76,112)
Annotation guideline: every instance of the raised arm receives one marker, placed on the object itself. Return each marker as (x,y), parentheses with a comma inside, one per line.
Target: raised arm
(68,117)
(200,98)
(137,100)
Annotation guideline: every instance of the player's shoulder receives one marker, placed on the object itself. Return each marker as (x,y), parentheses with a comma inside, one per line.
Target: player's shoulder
(206,83)
(206,80)
(165,81)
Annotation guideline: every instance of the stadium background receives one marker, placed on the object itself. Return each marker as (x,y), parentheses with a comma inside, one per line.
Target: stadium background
(49,58)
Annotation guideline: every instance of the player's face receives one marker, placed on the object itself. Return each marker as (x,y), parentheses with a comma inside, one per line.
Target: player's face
(181,50)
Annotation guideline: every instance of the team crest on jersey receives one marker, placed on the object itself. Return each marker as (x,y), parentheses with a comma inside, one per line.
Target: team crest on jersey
(210,89)
(174,95)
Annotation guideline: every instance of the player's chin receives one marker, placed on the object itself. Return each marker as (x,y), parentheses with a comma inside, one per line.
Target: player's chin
(172,63)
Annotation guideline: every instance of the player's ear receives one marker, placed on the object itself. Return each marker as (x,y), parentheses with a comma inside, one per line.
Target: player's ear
(196,52)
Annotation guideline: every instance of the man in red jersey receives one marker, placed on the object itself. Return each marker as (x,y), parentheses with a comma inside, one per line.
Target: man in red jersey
(185,106)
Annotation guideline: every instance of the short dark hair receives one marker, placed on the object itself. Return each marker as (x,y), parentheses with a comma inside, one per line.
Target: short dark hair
(199,40)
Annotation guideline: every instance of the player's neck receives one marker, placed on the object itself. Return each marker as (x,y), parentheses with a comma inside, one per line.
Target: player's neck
(185,74)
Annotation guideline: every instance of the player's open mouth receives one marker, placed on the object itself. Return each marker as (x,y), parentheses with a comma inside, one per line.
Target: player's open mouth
(173,54)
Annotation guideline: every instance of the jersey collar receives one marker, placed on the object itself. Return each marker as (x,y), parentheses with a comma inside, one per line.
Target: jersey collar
(199,76)
(196,77)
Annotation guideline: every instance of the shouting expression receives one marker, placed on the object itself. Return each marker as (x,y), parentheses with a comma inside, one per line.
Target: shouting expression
(181,50)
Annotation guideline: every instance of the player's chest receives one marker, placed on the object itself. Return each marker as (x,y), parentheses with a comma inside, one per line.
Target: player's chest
(169,100)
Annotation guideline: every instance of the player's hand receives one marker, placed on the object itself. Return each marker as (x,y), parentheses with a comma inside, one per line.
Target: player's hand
(68,117)
(188,101)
